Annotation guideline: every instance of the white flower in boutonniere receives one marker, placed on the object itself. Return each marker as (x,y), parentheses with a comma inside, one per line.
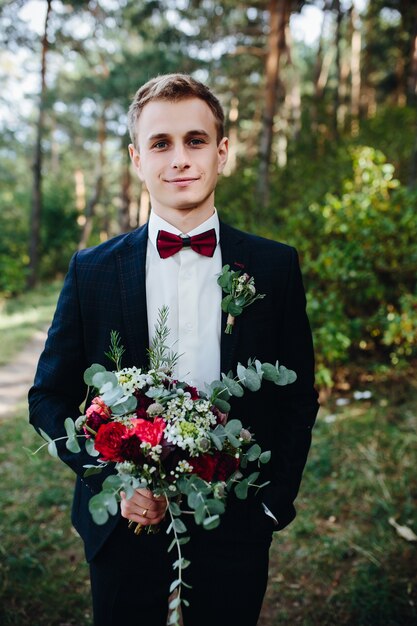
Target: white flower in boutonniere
(241,292)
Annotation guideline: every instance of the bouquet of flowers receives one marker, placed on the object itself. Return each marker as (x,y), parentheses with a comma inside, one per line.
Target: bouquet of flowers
(165,435)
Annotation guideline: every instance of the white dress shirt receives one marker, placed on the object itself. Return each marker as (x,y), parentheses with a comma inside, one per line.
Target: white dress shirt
(187,283)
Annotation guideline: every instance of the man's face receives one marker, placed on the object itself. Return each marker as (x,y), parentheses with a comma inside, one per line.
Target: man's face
(178,157)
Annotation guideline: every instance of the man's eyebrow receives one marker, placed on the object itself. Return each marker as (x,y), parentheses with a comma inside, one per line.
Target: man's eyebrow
(190,133)
(158,136)
(198,131)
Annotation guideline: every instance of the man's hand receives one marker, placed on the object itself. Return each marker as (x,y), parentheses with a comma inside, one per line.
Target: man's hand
(143,507)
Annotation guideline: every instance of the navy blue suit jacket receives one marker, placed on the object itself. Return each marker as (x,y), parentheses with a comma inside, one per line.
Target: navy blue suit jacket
(105,290)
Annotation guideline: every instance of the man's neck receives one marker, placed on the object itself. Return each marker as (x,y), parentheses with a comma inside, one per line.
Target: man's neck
(185,219)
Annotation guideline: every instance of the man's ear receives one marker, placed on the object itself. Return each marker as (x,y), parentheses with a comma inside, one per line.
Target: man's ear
(222,154)
(136,162)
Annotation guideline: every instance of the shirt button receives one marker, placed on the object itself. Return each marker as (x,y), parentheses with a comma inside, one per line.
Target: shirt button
(189,326)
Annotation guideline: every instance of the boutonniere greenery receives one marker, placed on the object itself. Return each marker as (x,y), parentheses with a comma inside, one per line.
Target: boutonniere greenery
(240,292)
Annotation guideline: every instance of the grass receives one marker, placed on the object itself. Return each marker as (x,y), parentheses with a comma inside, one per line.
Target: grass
(341,562)
(22,316)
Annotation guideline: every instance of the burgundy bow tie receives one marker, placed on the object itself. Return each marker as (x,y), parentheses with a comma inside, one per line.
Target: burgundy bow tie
(168,244)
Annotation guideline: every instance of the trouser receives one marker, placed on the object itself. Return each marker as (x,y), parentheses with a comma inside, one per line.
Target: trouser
(131,576)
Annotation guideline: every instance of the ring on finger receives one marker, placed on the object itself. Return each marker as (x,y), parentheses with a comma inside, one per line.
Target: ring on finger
(145,512)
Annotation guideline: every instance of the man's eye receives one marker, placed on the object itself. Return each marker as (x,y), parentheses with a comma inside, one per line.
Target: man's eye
(196,142)
(160,145)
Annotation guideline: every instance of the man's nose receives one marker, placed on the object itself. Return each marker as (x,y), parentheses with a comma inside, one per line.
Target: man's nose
(180,158)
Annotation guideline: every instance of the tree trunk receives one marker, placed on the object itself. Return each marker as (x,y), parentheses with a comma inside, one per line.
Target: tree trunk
(336,102)
(98,187)
(127,218)
(279,13)
(412,98)
(36,210)
(355,69)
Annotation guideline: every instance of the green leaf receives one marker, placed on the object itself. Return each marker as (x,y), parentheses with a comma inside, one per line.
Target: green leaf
(200,514)
(126,406)
(234,427)
(69,427)
(91,371)
(234,440)
(179,525)
(270,372)
(226,303)
(241,489)
(175,602)
(215,507)
(89,446)
(52,449)
(233,386)
(222,405)
(174,619)
(265,457)
(234,309)
(112,483)
(211,522)
(72,444)
(45,435)
(194,499)
(91,470)
(105,381)
(252,477)
(98,510)
(252,380)
(254,452)
(216,440)
(174,585)
(175,509)
(110,395)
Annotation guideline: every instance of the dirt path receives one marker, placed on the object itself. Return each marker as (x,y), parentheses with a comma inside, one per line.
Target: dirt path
(17,376)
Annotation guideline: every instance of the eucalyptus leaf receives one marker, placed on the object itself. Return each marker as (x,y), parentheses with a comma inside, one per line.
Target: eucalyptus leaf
(72,445)
(174,585)
(45,435)
(174,619)
(199,514)
(127,406)
(234,427)
(112,482)
(233,386)
(98,510)
(252,380)
(222,405)
(175,509)
(91,470)
(111,395)
(270,372)
(89,446)
(216,440)
(241,489)
(104,378)
(265,457)
(283,376)
(215,507)
(69,427)
(179,525)
(52,449)
(91,371)
(254,452)
(194,499)
(234,440)
(175,602)
(211,522)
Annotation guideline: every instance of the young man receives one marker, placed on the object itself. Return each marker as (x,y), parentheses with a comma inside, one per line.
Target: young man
(178,150)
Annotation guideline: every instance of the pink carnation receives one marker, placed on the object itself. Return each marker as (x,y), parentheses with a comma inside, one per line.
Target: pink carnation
(148,431)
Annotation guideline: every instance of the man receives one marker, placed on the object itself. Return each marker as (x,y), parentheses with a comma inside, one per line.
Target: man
(178,150)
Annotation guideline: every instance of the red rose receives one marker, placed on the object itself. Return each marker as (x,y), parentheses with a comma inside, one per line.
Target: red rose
(143,403)
(193,391)
(98,406)
(108,441)
(226,465)
(148,431)
(94,421)
(204,466)
(130,448)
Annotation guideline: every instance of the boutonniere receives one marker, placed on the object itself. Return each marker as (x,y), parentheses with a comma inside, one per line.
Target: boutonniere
(241,292)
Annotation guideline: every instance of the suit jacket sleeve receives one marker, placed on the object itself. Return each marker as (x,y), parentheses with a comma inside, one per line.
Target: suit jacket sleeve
(296,404)
(59,389)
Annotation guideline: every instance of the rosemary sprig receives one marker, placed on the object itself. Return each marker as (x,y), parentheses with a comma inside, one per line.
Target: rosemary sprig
(116,350)
(160,355)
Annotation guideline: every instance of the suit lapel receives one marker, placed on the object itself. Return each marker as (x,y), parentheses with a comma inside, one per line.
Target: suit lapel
(235,254)
(131,267)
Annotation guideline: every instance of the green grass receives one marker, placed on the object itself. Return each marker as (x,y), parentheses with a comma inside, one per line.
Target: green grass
(43,576)
(22,316)
(341,562)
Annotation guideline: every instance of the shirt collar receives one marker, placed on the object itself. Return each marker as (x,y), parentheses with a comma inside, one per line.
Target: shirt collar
(157,223)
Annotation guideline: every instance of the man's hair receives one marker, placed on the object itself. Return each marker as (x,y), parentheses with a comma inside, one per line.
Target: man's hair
(173,88)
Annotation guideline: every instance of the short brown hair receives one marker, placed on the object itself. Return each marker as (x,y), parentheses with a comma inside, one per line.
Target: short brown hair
(173,87)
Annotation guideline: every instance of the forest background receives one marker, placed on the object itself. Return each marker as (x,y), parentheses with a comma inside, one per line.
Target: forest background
(323,132)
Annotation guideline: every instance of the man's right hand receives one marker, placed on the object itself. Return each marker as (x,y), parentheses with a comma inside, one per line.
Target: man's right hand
(143,507)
